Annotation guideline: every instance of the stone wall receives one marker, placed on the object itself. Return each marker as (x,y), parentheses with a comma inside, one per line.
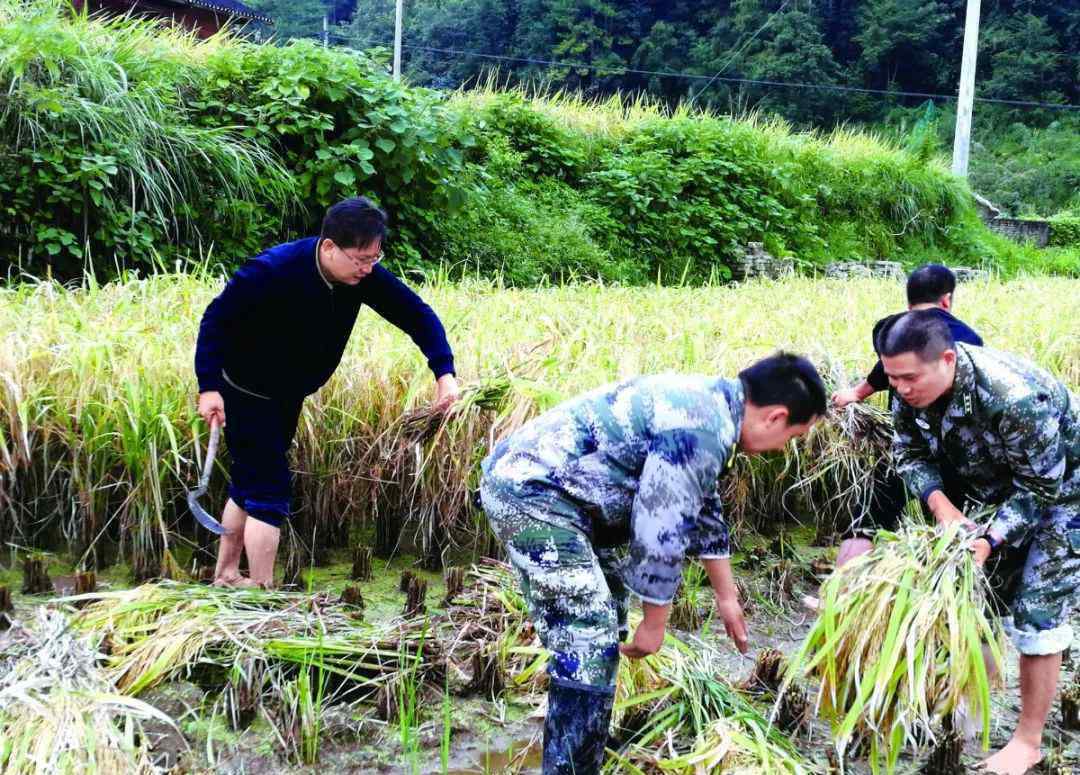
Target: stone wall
(846,270)
(892,270)
(756,262)
(1035,232)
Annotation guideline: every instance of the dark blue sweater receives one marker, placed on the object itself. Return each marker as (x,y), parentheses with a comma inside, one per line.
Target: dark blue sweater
(961,332)
(279,328)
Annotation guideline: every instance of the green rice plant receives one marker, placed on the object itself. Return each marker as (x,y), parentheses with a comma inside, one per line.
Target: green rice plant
(898,645)
(59,712)
(408,709)
(301,711)
(447,729)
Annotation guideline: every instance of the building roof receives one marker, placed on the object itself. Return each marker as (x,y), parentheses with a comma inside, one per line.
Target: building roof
(230,7)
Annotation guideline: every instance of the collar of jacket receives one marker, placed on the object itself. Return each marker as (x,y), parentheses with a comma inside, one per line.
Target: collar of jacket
(732,390)
(963,393)
(318,266)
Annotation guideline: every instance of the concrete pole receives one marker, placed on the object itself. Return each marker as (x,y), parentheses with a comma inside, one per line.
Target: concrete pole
(397,40)
(962,139)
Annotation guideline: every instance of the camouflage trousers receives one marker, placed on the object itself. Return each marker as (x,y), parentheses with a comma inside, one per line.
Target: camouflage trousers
(1042,599)
(574,592)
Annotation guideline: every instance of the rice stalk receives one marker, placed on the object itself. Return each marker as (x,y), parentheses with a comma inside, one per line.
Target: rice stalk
(98,439)
(160,632)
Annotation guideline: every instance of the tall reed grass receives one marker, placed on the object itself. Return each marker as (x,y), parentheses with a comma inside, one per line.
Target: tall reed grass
(98,435)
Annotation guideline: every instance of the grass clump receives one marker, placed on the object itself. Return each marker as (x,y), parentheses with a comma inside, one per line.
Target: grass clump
(897,647)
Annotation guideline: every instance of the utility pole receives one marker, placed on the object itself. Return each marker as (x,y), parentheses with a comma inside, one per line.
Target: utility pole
(397,41)
(962,139)
(325,29)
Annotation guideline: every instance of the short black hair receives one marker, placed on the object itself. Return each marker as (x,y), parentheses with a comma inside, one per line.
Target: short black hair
(929,283)
(922,332)
(354,223)
(789,380)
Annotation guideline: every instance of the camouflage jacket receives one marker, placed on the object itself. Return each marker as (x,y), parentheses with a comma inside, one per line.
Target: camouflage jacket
(1010,431)
(635,463)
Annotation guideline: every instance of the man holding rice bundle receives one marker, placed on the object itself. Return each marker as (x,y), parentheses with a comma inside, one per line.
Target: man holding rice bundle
(274,336)
(607,494)
(1011,434)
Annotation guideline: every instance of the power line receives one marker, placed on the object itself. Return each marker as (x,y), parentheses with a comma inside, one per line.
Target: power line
(738,51)
(726,79)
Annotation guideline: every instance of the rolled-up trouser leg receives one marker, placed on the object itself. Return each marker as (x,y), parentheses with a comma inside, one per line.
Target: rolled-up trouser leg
(1047,591)
(576,729)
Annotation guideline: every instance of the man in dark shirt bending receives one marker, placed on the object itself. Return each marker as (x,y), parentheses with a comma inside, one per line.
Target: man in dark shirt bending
(274,336)
(930,287)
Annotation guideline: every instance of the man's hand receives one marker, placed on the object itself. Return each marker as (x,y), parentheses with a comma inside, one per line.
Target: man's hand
(842,398)
(981,548)
(647,640)
(212,408)
(446,391)
(731,613)
(944,511)
(852,395)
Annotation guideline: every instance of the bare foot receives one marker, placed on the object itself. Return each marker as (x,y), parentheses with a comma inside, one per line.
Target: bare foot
(1016,758)
(234,582)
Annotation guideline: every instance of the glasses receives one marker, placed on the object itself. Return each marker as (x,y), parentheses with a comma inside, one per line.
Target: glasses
(365,261)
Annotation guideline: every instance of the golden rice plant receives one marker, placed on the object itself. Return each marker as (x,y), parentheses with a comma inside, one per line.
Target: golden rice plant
(99,439)
(898,644)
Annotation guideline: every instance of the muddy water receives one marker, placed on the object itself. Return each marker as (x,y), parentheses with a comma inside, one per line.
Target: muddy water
(521,755)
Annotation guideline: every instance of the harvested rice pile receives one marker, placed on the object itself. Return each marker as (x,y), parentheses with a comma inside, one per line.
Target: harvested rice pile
(60,713)
(897,648)
(159,632)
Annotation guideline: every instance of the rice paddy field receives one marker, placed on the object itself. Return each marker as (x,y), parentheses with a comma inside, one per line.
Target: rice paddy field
(397,641)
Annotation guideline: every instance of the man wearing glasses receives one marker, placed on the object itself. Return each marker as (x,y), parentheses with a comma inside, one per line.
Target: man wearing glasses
(274,336)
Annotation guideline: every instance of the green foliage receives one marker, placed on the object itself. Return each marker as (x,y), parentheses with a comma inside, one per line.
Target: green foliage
(133,146)
(101,154)
(1029,51)
(1065,231)
(691,192)
(342,127)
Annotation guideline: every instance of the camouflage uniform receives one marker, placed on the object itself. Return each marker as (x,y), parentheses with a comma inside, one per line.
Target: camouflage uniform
(1011,432)
(607,493)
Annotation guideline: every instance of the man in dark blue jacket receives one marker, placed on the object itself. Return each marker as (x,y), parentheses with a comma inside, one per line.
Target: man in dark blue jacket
(274,336)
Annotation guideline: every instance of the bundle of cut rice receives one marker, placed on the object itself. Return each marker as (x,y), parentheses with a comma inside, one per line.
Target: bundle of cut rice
(898,645)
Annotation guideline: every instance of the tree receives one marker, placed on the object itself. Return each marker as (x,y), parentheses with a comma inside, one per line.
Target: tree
(908,44)
(1022,60)
(793,50)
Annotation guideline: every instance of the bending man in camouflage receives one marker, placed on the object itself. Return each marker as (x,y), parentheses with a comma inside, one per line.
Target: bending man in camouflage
(608,493)
(1011,434)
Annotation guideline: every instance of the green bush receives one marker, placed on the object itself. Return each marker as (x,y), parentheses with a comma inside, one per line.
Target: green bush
(1065,231)
(101,156)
